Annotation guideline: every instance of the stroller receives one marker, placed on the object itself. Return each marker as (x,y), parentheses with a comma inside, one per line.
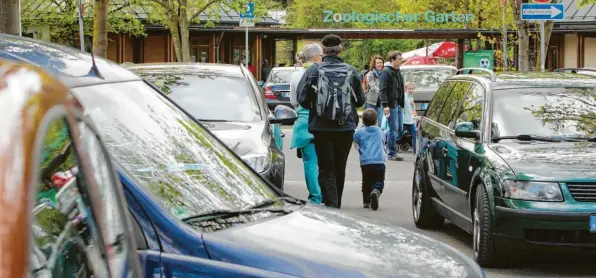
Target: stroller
(404,142)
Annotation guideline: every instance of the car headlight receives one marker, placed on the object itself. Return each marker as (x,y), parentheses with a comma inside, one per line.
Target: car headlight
(533,191)
(259,162)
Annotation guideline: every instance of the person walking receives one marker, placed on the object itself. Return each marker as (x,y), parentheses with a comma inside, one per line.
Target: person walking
(266,70)
(370,142)
(302,139)
(332,92)
(391,89)
(371,87)
(410,112)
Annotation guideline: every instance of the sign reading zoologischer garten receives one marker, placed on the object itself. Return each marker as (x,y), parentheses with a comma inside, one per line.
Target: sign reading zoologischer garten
(396,17)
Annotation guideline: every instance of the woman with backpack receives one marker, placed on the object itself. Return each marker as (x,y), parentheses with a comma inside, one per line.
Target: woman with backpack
(302,140)
(371,86)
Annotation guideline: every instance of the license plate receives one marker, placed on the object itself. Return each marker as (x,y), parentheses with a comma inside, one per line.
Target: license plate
(285,94)
(592,223)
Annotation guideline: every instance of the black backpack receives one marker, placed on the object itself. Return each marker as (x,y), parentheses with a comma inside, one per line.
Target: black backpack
(334,93)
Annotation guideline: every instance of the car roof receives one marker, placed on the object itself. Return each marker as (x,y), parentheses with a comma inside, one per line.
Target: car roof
(406,67)
(71,66)
(285,68)
(188,68)
(512,80)
(27,95)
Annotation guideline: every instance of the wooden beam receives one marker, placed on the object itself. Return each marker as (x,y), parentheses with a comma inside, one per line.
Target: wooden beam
(460,53)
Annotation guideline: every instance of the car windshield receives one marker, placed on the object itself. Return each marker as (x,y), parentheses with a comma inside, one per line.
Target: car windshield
(426,78)
(559,112)
(280,76)
(168,153)
(208,96)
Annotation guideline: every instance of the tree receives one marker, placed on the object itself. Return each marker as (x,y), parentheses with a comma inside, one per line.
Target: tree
(100,28)
(60,17)
(10,19)
(177,16)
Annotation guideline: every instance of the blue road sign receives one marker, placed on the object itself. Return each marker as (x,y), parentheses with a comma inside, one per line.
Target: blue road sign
(249,11)
(542,11)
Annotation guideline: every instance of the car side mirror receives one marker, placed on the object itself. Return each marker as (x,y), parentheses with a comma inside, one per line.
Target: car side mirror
(283,115)
(466,130)
(261,83)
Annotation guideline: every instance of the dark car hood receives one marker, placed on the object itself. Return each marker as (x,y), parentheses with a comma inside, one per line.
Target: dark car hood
(242,138)
(567,161)
(317,241)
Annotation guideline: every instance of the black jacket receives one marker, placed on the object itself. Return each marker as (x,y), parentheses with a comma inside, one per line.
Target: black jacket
(391,87)
(307,97)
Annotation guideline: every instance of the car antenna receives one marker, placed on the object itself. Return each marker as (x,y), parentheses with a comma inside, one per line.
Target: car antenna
(94,71)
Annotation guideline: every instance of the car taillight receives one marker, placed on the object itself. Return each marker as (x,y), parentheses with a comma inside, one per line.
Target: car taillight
(268,93)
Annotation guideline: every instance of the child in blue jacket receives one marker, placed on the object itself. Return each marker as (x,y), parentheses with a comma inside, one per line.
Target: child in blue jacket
(370,141)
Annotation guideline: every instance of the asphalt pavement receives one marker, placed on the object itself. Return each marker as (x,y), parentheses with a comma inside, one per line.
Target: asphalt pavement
(395,208)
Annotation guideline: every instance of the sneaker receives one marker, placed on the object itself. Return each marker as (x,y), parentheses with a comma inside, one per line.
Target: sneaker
(374,199)
(396,158)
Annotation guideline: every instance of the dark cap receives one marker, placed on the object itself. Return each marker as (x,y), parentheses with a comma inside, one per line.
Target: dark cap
(331,40)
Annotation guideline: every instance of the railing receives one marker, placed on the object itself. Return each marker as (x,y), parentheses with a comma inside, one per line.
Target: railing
(492,75)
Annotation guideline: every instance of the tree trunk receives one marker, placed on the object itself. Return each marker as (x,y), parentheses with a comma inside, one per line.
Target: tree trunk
(523,37)
(100,28)
(184,37)
(10,17)
(548,30)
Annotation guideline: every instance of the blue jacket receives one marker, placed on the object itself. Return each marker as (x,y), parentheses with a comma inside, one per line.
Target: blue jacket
(371,142)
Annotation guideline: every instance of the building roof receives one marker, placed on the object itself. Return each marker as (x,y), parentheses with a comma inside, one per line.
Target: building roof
(574,14)
(356,33)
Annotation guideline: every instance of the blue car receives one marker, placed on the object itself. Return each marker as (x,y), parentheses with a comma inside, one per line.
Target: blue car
(201,211)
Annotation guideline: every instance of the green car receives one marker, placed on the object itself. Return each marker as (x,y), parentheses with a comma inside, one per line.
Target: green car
(511,159)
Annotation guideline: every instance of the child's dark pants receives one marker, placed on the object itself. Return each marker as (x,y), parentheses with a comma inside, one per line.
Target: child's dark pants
(373,177)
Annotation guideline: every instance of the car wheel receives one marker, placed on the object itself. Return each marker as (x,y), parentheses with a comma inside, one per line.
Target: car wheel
(483,246)
(425,215)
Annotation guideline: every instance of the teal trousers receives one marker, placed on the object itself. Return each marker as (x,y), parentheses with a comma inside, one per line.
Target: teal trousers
(311,173)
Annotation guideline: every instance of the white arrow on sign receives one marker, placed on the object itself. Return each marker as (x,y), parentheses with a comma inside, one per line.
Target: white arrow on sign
(553,11)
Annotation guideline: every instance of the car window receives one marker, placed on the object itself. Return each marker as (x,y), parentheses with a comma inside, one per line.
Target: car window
(280,76)
(208,96)
(426,78)
(110,207)
(453,101)
(438,100)
(471,108)
(552,111)
(169,154)
(66,241)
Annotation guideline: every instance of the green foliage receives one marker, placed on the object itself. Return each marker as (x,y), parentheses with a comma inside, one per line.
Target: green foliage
(358,53)
(583,3)
(576,110)
(61,17)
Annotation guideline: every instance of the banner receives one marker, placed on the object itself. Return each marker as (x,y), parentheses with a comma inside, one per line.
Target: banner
(479,59)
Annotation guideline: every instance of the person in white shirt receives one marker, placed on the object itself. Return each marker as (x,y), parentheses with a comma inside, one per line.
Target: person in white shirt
(410,112)
(302,139)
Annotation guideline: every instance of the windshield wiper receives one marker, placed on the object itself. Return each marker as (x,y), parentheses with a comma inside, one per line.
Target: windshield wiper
(257,208)
(580,139)
(526,137)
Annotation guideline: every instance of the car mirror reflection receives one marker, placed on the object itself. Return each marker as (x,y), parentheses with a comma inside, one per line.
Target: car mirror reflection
(466,130)
(283,115)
